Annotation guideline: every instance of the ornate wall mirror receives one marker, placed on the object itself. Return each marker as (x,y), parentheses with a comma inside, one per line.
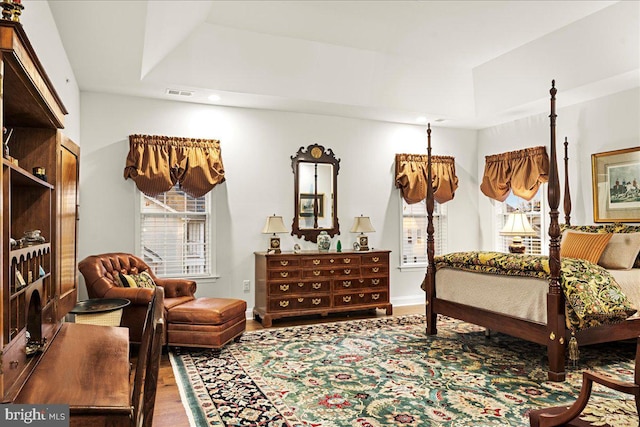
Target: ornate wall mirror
(315,180)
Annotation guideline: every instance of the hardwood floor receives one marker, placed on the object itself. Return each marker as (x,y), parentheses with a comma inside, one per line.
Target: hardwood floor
(169,411)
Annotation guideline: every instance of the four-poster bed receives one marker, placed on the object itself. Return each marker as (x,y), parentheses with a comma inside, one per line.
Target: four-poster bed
(529,308)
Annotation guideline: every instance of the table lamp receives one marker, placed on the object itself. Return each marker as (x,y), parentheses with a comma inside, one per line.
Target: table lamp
(517,226)
(362,224)
(274,225)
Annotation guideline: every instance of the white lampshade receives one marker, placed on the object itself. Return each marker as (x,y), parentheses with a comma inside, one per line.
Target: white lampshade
(517,225)
(274,225)
(362,224)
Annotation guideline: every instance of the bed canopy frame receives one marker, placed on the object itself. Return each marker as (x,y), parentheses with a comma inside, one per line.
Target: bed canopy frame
(554,334)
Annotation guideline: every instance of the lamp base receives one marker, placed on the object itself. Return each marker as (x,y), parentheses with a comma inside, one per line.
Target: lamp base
(363,241)
(274,244)
(517,248)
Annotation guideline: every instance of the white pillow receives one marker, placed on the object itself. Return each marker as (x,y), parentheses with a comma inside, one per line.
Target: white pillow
(621,251)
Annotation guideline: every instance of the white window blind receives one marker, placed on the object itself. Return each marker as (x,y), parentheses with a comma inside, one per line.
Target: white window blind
(174,233)
(413,245)
(536,212)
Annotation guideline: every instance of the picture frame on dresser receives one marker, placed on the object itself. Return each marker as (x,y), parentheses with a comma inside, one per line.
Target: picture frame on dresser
(616,185)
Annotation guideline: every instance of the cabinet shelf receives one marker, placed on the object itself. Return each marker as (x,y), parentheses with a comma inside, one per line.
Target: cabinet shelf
(24,178)
(22,254)
(24,288)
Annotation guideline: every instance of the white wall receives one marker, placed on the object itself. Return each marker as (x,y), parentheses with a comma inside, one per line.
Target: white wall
(42,32)
(604,124)
(257,146)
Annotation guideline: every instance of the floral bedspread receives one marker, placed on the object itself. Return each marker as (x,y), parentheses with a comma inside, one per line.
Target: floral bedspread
(592,295)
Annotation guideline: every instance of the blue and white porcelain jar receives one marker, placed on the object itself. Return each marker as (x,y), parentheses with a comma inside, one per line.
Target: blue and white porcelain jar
(324,242)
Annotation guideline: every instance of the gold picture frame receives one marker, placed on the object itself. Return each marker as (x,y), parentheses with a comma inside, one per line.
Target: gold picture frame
(616,185)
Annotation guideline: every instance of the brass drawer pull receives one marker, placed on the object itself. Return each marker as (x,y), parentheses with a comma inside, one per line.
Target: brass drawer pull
(347,271)
(346,283)
(284,303)
(346,298)
(346,260)
(375,281)
(284,288)
(316,301)
(361,295)
(300,284)
(375,269)
(300,299)
(316,272)
(332,260)
(284,273)
(375,296)
(316,285)
(13,364)
(375,259)
(284,262)
(316,262)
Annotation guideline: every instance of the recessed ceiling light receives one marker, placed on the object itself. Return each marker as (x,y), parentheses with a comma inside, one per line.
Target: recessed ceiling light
(214,97)
(421,119)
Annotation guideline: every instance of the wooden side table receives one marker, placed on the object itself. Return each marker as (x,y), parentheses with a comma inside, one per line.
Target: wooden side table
(100,311)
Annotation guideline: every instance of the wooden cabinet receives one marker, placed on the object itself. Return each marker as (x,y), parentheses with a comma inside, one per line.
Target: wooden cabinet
(290,284)
(37,288)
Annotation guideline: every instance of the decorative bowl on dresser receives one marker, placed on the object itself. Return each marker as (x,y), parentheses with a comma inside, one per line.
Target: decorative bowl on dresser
(297,284)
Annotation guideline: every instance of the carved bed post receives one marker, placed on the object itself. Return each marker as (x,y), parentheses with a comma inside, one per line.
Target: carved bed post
(567,196)
(430,279)
(555,300)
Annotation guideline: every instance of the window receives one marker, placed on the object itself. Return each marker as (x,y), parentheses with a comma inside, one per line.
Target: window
(536,214)
(413,246)
(175,233)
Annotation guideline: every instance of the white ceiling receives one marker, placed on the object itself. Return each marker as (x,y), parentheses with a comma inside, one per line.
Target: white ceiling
(469,63)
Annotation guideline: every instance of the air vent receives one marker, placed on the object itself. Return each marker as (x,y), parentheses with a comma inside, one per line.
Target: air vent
(179,92)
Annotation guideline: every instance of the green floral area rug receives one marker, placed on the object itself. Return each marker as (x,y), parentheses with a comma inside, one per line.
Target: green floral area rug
(388,372)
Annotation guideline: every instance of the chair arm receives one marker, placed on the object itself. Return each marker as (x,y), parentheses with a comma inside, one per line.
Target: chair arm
(137,296)
(621,386)
(174,288)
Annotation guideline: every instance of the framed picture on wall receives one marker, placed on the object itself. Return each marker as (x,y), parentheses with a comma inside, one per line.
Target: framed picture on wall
(306,205)
(616,185)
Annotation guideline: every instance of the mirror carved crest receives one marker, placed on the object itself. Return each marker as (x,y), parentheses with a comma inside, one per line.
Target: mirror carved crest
(315,171)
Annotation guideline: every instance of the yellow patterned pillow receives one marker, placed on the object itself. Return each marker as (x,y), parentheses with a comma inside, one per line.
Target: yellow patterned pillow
(587,246)
(142,280)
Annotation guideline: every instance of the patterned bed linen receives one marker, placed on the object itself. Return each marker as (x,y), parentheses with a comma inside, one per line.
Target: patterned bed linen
(592,294)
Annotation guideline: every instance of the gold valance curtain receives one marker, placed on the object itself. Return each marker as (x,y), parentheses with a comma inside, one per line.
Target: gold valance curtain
(157,163)
(520,171)
(411,177)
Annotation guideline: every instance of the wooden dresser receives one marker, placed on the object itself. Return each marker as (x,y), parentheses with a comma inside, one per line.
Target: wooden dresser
(296,284)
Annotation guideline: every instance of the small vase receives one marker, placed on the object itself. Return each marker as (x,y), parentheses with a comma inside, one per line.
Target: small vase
(324,242)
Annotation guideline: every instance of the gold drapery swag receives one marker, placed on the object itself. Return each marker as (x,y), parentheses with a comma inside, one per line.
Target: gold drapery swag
(520,171)
(157,163)
(411,177)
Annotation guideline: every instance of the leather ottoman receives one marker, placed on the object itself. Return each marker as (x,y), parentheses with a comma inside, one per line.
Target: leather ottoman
(206,322)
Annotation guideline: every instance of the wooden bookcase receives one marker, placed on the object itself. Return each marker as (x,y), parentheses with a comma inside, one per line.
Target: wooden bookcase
(31,309)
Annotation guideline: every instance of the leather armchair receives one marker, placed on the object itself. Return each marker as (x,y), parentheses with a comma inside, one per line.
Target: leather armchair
(100,273)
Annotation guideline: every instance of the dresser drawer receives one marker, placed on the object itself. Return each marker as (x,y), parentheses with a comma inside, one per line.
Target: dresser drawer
(331,261)
(288,275)
(360,298)
(282,262)
(372,270)
(318,286)
(375,259)
(366,283)
(299,303)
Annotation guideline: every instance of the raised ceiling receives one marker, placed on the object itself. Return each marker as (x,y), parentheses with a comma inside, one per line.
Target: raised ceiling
(465,63)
